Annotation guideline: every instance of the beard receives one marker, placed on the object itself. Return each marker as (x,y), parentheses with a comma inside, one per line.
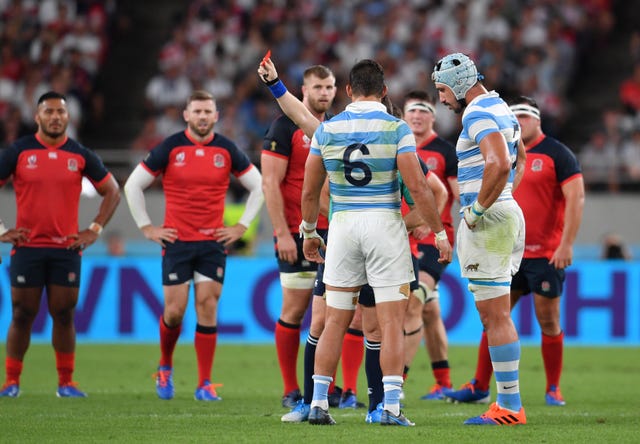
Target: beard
(54,134)
(319,107)
(202,132)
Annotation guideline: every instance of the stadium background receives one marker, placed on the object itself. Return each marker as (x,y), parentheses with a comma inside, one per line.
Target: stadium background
(127,70)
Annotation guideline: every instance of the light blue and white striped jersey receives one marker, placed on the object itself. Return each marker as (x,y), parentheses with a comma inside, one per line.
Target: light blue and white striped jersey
(359,148)
(486,114)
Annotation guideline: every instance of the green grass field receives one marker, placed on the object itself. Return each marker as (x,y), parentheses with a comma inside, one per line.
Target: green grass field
(600,386)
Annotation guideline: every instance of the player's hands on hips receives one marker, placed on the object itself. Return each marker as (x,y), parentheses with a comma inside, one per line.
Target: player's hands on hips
(228,235)
(562,257)
(287,248)
(421,232)
(83,239)
(311,248)
(446,252)
(160,235)
(16,236)
(473,213)
(267,70)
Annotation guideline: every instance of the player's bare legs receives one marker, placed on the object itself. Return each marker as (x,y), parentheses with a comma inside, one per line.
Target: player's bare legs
(62,302)
(412,329)
(25,305)
(207,296)
(552,345)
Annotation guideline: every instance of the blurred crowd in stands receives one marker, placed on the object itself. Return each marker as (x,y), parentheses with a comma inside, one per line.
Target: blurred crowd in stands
(50,45)
(521,47)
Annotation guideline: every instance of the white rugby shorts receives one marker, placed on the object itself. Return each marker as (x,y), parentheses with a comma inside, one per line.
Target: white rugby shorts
(493,250)
(367,247)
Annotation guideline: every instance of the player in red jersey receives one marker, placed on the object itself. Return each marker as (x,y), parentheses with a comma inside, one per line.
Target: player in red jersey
(551,195)
(283,158)
(47,170)
(196,165)
(440,157)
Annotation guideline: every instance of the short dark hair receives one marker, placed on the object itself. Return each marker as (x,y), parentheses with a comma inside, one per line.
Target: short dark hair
(418,94)
(51,95)
(200,94)
(366,78)
(526,100)
(320,71)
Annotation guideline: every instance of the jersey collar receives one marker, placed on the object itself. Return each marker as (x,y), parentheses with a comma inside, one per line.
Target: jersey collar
(51,147)
(535,142)
(206,142)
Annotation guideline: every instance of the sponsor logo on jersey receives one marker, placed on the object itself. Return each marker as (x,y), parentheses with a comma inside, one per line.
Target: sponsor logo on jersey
(32,161)
(72,165)
(218,160)
(53,155)
(200,152)
(180,157)
(536,165)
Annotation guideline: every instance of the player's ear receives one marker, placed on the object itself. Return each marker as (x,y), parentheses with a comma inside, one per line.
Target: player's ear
(349,90)
(185,115)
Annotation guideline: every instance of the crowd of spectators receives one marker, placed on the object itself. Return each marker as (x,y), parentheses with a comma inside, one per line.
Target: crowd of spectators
(528,47)
(531,48)
(611,157)
(50,45)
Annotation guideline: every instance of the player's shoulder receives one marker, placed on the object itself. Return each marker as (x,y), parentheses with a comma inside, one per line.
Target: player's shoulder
(283,123)
(439,144)
(25,143)
(553,148)
(222,141)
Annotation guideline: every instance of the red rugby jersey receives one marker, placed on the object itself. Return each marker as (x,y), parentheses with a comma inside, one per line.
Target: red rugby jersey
(47,182)
(195,181)
(286,141)
(550,164)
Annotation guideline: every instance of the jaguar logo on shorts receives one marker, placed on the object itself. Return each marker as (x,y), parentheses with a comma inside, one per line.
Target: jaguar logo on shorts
(472,267)
(32,161)
(536,165)
(72,165)
(545,286)
(220,272)
(71,277)
(218,160)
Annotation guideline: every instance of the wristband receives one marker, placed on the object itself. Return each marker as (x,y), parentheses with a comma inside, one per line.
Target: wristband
(307,226)
(96,228)
(3,229)
(478,209)
(277,88)
(441,235)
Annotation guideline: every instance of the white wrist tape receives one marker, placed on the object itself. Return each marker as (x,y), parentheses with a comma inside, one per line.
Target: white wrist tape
(96,228)
(3,229)
(308,226)
(441,235)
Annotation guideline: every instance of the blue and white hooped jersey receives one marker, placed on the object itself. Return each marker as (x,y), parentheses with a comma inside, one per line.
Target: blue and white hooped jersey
(485,114)
(359,148)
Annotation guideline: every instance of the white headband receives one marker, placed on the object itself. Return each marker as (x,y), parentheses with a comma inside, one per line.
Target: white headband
(523,108)
(423,106)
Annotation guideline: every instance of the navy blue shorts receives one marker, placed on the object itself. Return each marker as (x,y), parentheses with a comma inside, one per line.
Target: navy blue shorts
(181,259)
(301,264)
(37,267)
(538,276)
(428,261)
